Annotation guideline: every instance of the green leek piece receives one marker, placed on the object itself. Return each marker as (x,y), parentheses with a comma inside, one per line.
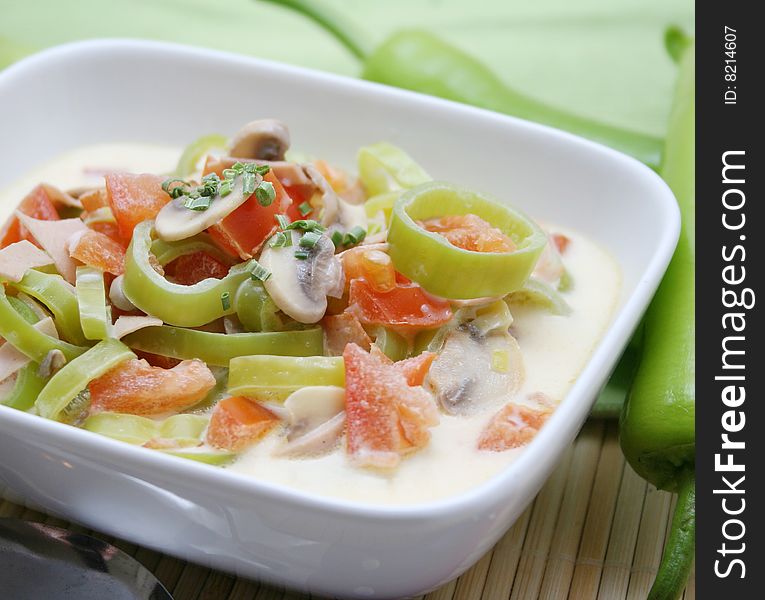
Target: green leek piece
(23,336)
(451,272)
(276,377)
(167,252)
(75,376)
(255,308)
(27,383)
(381,203)
(535,291)
(206,456)
(26,311)
(194,152)
(59,297)
(185,429)
(27,386)
(95,315)
(392,344)
(126,428)
(384,167)
(182,305)
(219,348)
(494,317)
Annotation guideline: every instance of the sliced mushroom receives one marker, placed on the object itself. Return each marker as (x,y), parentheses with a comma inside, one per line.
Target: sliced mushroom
(466,376)
(176,222)
(329,200)
(316,420)
(118,297)
(299,287)
(264,139)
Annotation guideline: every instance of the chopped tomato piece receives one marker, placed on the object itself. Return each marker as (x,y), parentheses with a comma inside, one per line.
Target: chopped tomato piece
(38,205)
(98,250)
(561,241)
(237,423)
(373,265)
(134,199)
(385,417)
(470,232)
(193,268)
(94,199)
(135,387)
(406,306)
(341,330)
(244,231)
(416,368)
(513,426)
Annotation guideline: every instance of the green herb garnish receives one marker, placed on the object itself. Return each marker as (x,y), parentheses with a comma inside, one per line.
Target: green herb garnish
(282,220)
(259,272)
(305,209)
(337,238)
(225,300)
(354,236)
(307,225)
(265,193)
(310,239)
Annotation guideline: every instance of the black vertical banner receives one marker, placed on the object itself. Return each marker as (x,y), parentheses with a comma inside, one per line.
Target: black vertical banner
(730,415)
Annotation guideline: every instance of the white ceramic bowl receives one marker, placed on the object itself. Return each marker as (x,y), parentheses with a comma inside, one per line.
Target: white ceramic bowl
(113,91)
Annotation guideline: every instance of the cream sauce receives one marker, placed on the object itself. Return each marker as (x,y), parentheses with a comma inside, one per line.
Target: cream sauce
(555,350)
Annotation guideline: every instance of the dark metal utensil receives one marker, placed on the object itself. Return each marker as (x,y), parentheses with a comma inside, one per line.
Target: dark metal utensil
(39,561)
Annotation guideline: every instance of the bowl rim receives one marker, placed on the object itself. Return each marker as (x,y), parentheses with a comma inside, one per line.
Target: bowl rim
(572,408)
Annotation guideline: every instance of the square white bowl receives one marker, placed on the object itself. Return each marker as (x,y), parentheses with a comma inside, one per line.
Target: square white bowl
(121,91)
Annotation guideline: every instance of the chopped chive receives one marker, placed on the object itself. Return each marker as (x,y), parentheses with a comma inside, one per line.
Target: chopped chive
(310,239)
(238,167)
(225,188)
(262,169)
(225,300)
(337,238)
(354,236)
(248,183)
(305,208)
(229,173)
(265,193)
(307,225)
(279,240)
(259,272)
(301,254)
(283,221)
(200,203)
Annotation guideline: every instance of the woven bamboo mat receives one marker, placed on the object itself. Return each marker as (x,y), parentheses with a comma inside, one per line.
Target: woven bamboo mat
(595,531)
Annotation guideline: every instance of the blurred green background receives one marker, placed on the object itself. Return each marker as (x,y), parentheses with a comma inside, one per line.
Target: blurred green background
(599,58)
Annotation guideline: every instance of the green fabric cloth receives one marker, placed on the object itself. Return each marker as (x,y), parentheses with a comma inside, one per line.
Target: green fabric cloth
(599,58)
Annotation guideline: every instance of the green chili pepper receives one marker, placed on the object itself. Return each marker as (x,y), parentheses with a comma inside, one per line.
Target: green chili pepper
(95,315)
(75,376)
(420,61)
(276,377)
(193,153)
(657,426)
(219,349)
(26,339)
(451,272)
(182,305)
(59,298)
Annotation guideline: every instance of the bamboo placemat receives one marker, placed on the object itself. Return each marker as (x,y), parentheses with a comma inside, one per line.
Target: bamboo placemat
(595,531)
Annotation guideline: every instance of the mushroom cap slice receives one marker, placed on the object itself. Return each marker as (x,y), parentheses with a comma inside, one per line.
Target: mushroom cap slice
(316,417)
(176,222)
(329,198)
(299,287)
(464,378)
(264,139)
